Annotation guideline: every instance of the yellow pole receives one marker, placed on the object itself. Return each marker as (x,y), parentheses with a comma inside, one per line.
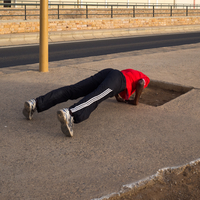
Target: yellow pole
(44,57)
(78,3)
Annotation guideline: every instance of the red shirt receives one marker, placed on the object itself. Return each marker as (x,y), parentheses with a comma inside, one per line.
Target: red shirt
(132,77)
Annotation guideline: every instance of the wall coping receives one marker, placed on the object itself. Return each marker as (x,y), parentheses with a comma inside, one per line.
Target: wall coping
(117,18)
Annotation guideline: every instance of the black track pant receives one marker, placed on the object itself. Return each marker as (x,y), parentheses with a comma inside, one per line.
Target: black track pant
(95,89)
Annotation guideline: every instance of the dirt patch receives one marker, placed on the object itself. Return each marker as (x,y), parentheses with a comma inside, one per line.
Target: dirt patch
(156,96)
(159,93)
(181,183)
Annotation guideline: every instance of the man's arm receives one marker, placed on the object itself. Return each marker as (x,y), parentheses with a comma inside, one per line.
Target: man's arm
(138,92)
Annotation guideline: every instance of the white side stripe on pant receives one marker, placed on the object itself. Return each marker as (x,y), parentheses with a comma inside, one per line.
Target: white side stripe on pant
(90,101)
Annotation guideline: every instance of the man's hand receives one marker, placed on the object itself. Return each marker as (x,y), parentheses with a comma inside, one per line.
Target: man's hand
(119,99)
(132,102)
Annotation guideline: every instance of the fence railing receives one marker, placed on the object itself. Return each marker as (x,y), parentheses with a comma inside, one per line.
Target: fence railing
(67,11)
(36,3)
(132,2)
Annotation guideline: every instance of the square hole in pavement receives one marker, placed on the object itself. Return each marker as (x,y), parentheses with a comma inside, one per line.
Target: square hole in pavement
(158,93)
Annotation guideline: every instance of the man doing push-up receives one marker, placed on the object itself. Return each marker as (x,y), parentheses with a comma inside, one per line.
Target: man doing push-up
(95,89)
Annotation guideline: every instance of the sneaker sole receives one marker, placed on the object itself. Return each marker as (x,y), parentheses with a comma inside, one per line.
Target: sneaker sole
(27,111)
(64,125)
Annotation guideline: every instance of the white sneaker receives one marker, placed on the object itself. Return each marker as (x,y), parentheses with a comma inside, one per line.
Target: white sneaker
(29,108)
(67,121)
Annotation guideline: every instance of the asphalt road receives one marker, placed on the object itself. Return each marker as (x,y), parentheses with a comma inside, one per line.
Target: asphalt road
(60,51)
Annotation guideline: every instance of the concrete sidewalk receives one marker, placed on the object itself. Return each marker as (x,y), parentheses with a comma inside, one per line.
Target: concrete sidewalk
(65,36)
(117,145)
